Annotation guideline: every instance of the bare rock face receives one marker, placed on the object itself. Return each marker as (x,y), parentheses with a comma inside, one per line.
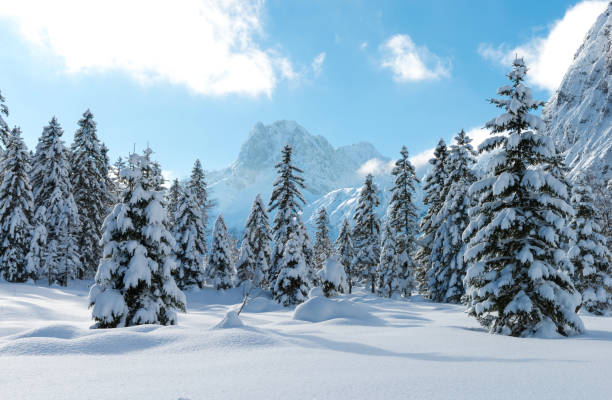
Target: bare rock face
(579,115)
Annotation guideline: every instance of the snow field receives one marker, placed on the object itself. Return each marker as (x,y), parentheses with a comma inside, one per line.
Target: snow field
(380,348)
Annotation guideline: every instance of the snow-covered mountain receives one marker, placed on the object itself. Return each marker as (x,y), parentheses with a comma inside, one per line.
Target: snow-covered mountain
(579,114)
(332,175)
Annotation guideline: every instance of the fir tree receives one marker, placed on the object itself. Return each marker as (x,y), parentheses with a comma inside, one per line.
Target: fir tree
(92,195)
(16,211)
(219,267)
(447,272)
(190,236)
(322,244)
(4,129)
(175,193)
(346,253)
(516,285)
(258,237)
(37,250)
(53,193)
(388,266)
(198,185)
(292,284)
(366,234)
(332,277)
(287,201)
(433,188)
(134,283)
(589,253)
(245,267)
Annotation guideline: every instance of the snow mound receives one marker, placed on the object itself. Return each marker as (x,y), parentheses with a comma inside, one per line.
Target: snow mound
(262,304)
(320,309)
(231,320)
(52,331)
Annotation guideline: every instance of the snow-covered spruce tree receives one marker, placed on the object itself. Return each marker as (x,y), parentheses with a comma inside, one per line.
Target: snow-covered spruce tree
(119,183)
(366,233)
(219,267)
(322,243)
(175,193)
(332,277)
(345,252)
(258,237)
(292,284)
(4,129)
(447,272)
(433,193)
(245,267)
(234,249)
(515,283)
(403,222)
(287,201)
(50,179)
(198,185)
(589,254)
(89,179)
(190,236)
(37,250)
(134,283)
(16,211)
(388,266)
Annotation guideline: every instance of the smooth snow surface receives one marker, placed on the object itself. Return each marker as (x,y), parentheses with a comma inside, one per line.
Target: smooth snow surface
(414,350)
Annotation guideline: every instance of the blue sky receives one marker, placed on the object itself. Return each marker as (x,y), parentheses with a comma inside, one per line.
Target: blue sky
(191,78)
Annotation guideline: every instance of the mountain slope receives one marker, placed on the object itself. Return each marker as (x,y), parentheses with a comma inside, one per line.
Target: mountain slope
(579,114)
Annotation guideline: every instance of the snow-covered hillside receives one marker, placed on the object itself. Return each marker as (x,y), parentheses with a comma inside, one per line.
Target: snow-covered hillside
(352,347)
(579,114)
(326,169)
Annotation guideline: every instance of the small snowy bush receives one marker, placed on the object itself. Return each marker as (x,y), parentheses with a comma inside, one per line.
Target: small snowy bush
(332,277)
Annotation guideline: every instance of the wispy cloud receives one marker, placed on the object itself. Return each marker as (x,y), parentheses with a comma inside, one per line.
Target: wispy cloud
(317,64)
(549,57)
(209,46)
(375,167)
(409,62)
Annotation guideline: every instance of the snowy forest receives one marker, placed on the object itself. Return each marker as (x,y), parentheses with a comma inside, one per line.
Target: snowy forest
(521,245)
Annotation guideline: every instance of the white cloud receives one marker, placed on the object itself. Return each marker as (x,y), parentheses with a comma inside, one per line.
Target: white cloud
(317,63)
(549,57)
(411,63)
(363,45)
(208,46)
(375,166)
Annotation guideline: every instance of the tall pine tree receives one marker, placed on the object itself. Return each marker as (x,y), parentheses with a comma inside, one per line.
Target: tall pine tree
(445,277)
(322,244)
(219,266)
(257,236)
(198,185)
(516,285)
(53,196)
(89,179)
(345,253)
(4,129)
(16,211)
(366,234)
(589,254)
(134,283)
(174,195)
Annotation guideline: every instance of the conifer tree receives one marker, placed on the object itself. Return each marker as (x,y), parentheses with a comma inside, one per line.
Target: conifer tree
(175,193)
(134,283)
(4,129)
(89,179)
(292,284)
(190,236)
(445,277)
(433,188)
(219,267)
(366,233)
(16,211)
(345,253)
(388,267)
(37,250)
(332,277)
(53,194)
(516,285)
(589,254)
(322,244)
(198,185)
(287,201)
(258,237)
(245,267)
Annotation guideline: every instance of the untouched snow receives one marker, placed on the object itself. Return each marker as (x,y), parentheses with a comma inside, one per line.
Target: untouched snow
(379,348)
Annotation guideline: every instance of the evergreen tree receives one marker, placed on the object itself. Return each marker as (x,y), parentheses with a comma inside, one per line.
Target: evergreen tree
(589,254)
(287,201)
(190,236)
(219,267)
(345,253)
(175,194)
(16,211)
(4,129)
(388,267)
(332,277)
(245,267)
(119,183)
(53,193)
(134,283)
(92,195)
(37,250)
(234,249)
(516,285)
(322,244)
(198,185)
(433,188)
(445,277)
(292,284)
(258,237)
(366,234)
